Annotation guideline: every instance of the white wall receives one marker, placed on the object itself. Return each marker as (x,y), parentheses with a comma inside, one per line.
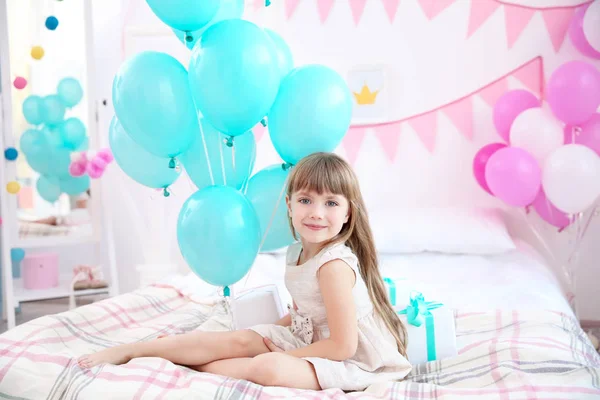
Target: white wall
(431,64)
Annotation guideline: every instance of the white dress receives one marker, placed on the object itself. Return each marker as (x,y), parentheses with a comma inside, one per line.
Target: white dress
(376,359)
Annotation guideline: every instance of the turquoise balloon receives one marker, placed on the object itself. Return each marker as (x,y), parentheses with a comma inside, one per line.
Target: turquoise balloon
(85,145)
(33,141)
(266,190)
(185,15)
(54,110)
(234,75)
(194,160)
(33,110)
(137,163)
(312,113)
(152,100)
(72,132)
(228,9)
(75,185)
(285,59)
(48,187)
(70,91)
(218,234)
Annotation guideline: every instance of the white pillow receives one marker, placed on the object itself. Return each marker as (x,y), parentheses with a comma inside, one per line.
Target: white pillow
(442,230)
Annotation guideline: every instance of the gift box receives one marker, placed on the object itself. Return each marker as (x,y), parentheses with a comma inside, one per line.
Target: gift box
(431,330)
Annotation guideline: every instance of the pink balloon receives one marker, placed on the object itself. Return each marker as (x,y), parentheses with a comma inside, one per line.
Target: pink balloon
(578,36)
(574,92)
(94,172)
(548,212)
(98,162)
(106,155)
(587,134)
(513,176)
(77,168)
(20,82)
(508,106)
(480,160)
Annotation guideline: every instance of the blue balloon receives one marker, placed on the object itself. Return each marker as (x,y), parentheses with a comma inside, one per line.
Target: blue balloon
(153,102)
(218,234)
(266,190)
(72,132)
(285,60)
(73,185)
(54,110)
(194,160)
(228,9)
(17,254)
(234,75)
(141,166)
(185,15)
(48,187)
(33,141)
(33,110)
(70,91)
(312,113)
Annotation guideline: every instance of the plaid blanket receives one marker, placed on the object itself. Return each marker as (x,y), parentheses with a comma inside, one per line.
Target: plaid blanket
(502,355)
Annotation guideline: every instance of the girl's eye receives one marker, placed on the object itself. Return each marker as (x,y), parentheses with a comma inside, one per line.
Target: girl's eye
(304,201)
(332,203)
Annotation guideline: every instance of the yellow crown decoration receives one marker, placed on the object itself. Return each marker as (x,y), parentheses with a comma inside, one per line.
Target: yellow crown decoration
(365,96)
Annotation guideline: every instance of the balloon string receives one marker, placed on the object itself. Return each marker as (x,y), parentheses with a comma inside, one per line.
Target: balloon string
(233,157)
(222,165)
(212,178)
(264,237)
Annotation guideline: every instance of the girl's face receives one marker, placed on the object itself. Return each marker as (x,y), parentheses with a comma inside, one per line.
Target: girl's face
(317,217)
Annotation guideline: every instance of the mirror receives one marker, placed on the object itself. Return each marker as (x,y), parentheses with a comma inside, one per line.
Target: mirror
(51,118)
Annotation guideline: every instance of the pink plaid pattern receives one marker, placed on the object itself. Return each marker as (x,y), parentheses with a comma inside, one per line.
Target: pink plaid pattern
(502,355)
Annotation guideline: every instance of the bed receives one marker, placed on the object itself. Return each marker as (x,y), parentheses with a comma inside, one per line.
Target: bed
(517,337)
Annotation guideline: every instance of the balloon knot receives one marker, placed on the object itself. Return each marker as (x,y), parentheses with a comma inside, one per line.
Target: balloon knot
(226,291)
(229,141)
(267,3)
(188,37)
(263,122)
(286,166)
(166,192)
(172,163)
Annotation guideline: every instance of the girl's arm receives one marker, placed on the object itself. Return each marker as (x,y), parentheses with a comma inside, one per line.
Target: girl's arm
(336,280)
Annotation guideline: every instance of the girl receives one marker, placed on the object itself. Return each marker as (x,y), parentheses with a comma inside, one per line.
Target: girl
(341,331)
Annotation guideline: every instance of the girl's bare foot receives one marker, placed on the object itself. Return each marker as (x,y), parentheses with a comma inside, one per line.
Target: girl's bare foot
(115,355)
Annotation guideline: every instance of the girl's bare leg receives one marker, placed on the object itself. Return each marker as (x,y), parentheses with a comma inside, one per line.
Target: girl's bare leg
(194,348)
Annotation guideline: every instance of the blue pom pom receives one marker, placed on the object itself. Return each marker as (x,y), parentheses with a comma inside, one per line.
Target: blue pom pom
(11,154)
(51,23)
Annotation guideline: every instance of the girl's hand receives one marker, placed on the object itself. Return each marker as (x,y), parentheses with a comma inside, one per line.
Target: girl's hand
(271,346)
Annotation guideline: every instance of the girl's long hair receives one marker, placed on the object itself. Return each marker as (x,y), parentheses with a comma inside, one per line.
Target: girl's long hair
(329,173)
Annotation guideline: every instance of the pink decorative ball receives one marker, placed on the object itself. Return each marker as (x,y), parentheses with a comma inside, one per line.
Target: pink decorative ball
(20,82)
(106,155)
(77,168)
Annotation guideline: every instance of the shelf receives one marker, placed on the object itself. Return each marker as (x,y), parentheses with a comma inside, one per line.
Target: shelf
(63,289)
(54,241)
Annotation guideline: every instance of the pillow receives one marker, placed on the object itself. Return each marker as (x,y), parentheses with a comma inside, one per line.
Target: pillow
(443,230)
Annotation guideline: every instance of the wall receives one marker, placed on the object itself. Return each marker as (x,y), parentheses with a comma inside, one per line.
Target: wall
(431,63)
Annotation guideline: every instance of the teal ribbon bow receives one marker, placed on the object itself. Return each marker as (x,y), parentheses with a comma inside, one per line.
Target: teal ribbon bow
(391,289)
(419,311)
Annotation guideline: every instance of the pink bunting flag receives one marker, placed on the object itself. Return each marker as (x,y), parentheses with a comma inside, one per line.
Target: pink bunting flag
(481,10)
(391,7)
(557,22)
(425,125)
(492,92)
(324,8)
(357,7)
(461,114)
(531,76)
(258,131)
(290,7)
(352,142)
(388,135)
(432,8)
(517,18)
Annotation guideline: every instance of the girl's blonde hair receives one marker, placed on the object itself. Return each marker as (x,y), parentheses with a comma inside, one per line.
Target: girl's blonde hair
(329,173)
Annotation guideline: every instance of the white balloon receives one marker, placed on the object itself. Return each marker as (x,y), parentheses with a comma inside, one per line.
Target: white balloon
(537,131)
(571,178)
(591,25)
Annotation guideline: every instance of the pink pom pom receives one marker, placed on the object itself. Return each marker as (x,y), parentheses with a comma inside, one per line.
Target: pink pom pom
(106,155)
(77,168)
(20,82)
(98,162)
(94,172)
